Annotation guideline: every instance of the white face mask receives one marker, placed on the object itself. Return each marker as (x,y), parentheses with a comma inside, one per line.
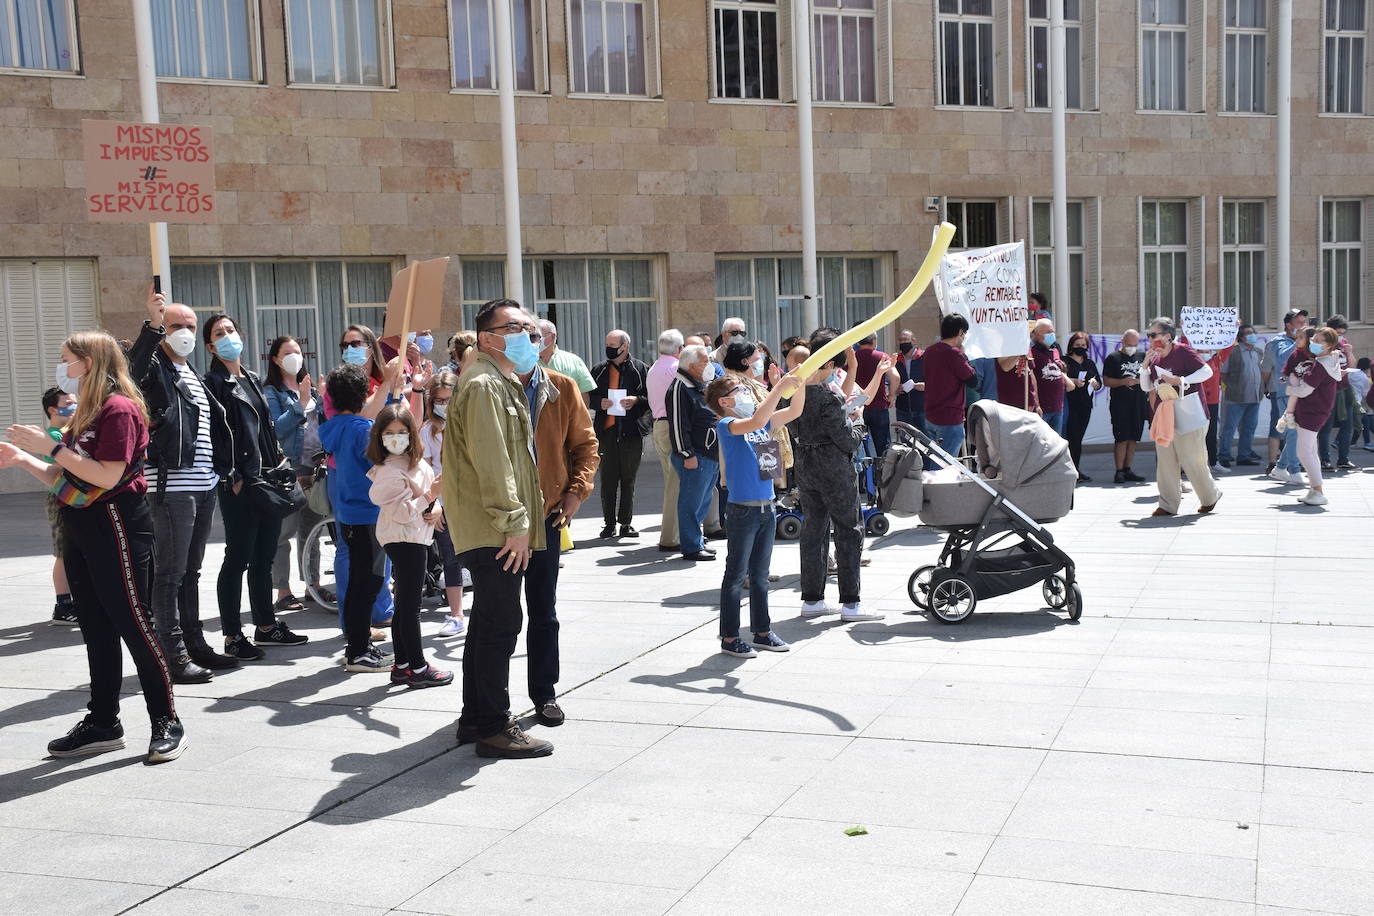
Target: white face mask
(1130,351)
(396,443)
(69,384)
(291,363)
(182,342)
(441,410)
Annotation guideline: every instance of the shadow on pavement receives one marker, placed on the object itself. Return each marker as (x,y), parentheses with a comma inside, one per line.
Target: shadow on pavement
(730,687)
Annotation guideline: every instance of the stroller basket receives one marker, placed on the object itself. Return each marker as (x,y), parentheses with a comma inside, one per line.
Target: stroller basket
(1001,572)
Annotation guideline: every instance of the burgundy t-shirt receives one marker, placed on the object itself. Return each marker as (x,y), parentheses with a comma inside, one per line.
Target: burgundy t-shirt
(1182,361)
(1011,388)
(118,433)
(946,371)
(1311,411)
(1049,378)
(867,360)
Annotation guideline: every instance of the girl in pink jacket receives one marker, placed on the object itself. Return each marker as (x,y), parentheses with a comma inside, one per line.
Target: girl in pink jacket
(403,487)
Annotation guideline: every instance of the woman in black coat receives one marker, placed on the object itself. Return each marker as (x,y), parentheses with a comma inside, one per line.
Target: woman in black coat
(250,535)
(1080,366)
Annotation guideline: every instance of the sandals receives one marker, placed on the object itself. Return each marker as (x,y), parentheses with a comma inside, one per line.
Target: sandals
(289,603)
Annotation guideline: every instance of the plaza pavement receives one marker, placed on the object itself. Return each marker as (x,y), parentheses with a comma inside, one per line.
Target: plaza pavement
(1200,743)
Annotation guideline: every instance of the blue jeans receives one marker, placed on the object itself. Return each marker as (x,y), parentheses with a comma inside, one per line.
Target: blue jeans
(1056,421)
(1246,416)
(541,632)
(695,490)
(381,609)
(949,438)
(1288,456)
(749,548)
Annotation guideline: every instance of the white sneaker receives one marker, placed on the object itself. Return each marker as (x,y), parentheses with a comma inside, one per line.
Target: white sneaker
(1280,475)
(817,609)
(1217,469)
(453,626)
(1297,480)
(1314,498)
(853,613)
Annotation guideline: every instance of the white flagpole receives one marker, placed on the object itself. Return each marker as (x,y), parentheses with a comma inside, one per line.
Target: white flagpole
(1283,161)
(1059,224)
(510,163)
(147,96)
(801,32)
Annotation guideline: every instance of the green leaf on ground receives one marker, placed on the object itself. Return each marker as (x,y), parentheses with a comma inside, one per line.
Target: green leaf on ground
(856,830)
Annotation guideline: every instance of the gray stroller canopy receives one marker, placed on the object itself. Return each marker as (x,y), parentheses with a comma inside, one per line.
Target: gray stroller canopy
(1016,444)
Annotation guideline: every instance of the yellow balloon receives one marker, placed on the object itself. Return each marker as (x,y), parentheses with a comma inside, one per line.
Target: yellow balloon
(895,309)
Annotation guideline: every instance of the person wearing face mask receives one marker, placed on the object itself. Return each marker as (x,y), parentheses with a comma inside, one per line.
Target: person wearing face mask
(752,463)
(1284,465)
(732,330)
(250,535)
(695,458)
(58,407)
(97,476)
(493,506)
(1081,369)
(403,487)
(441,387)
(1175,364)
(1052,383)
(1313,370)
(554,357)
(660,378)
(295,414)
(1344,413)
(189,452)
(1127,403)
(911,381)
(621,434)
(1242,391)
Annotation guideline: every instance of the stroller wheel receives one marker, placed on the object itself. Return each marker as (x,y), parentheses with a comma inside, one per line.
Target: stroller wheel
(878,525)
(1075,603)
(952,599)
(918,587)
(789,527)
(1055,591)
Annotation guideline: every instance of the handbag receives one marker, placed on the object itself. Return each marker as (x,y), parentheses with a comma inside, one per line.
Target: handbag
(1190,414)
(277,493)
(317,497)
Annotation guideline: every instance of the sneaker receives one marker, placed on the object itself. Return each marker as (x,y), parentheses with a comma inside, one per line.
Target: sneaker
(1328,466)
(430,677)
(737,648)
(628,531)
(1219,469)
(209,658)
(1346,465)
(453,626)
(817,609)
(1246,462)
(371,660)
(1226,463)
(240,648)
(1133,477)
(549,714)
(399,675)
(1314,498)
(608,532)
(1119,476)
(853,613)
(279,634)
(1368,448)
(1279,474)
(769,642)
(168,740)
(1296,479)
(64,614)
(513,743)
(88,738)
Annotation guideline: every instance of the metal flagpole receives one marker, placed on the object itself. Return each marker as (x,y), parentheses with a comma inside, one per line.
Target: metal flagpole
(1062,307)
(1283,160)
(147,96)
(801,31)
(510,166)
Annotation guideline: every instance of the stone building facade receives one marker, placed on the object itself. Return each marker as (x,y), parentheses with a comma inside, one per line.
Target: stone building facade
(677,206)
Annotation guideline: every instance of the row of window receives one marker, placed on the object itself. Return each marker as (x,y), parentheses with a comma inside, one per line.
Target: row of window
(613,48)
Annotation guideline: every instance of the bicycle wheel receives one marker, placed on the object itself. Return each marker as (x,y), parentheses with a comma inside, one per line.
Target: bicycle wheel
(317,565)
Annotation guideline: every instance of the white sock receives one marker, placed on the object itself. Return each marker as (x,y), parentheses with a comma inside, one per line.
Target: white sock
(421,670)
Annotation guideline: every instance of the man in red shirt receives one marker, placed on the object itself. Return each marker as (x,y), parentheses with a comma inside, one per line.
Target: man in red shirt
(878,413)
(948,373)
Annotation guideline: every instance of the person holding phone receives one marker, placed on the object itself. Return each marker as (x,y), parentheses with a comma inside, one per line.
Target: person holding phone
(565,449)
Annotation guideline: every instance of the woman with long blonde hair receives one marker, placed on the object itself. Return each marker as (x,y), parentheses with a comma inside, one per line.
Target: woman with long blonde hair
(96,476)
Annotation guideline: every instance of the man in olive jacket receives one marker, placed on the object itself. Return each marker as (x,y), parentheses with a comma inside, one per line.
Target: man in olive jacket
(493,507)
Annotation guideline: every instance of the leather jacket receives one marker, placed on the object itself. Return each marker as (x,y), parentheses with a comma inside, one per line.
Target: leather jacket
(255,441)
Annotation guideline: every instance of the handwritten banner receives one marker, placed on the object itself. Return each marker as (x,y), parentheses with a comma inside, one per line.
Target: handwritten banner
(1209,328)
(148,173)
(988,287)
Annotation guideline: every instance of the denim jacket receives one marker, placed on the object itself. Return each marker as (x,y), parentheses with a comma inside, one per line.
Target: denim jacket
(289,420)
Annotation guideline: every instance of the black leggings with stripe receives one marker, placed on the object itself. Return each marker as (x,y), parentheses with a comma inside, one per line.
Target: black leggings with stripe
(109,560)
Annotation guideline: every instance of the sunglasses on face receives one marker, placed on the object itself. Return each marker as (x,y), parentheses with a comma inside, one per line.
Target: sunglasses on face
(354,344)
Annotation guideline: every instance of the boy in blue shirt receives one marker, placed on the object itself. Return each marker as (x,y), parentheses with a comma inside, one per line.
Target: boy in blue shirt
(751,461)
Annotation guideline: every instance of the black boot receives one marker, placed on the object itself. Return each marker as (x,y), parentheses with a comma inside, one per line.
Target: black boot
(168,740)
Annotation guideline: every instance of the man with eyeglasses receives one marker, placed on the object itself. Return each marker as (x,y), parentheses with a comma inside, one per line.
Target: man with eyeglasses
(493,507)
(618,430)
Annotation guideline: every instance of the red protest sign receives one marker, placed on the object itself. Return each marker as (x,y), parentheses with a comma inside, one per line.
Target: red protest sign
(148,173)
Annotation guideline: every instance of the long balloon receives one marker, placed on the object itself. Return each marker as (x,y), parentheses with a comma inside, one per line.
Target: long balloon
(895,309)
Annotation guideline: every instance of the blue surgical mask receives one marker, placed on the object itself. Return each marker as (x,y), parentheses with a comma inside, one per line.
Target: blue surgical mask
(356,356)
(1252,339)
(229,347)
(758,365)
(69,410)
(744,407)
(833,378)
(425,342)
(520,351)
(1315,348)
(1049,340)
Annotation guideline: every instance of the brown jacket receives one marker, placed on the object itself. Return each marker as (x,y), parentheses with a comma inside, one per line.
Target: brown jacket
(564,441)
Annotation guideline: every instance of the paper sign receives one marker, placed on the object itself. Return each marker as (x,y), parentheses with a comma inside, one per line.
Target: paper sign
(1209,328)
(908,385)
(988,287)
(429,299)
(616,396)
(148,173)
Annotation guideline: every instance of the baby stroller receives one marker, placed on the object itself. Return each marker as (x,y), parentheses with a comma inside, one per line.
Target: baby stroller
(995,546)
(787,505)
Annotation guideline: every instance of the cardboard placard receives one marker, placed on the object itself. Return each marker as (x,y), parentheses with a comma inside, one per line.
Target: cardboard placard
(988,287)
(427,304)
(1209,328)
(148,173)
